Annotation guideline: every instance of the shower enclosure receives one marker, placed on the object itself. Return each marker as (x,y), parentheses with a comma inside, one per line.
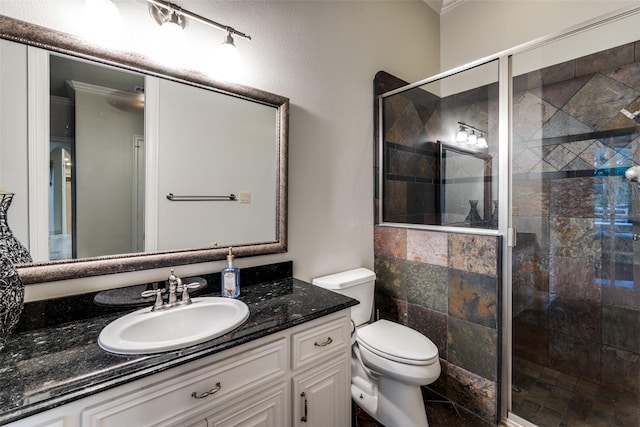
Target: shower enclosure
(562,120)
(575,278)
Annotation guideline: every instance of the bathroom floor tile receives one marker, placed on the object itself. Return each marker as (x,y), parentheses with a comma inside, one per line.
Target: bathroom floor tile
(549,398)
(440,413)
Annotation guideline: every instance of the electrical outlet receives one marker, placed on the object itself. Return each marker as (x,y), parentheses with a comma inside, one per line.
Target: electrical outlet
(515,211)
(245,197)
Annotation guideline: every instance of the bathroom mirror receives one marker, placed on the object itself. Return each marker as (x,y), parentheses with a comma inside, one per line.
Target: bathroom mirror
(197,84)
(465,188)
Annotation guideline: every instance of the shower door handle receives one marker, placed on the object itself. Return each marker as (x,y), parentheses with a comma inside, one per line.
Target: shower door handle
(512,239)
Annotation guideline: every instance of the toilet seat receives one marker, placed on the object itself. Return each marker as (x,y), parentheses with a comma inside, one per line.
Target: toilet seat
(397,343)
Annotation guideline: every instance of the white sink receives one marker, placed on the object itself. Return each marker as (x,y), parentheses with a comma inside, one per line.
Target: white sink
(146,331)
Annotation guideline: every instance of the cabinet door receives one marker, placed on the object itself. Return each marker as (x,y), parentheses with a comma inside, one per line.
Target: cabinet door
(321,396)
(190,392)
(267,408)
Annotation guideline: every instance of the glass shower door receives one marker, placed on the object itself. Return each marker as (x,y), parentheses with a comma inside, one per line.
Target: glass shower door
(576,267)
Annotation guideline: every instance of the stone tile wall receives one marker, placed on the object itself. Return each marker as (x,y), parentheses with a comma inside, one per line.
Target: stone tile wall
(576,296)
(447,287)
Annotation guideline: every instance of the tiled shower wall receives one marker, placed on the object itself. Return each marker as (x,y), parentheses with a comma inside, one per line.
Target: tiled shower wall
(575,271)
(446,286)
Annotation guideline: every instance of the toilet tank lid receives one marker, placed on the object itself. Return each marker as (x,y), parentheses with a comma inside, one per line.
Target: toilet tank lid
(345,279)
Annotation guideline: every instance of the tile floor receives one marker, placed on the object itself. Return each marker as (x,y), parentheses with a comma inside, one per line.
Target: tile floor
(550,398)
(440,414)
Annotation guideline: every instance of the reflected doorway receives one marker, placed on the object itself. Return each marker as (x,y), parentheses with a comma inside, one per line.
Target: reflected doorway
(61,218)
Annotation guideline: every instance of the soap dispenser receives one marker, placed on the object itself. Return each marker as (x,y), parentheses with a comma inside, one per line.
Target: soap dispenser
(230,278)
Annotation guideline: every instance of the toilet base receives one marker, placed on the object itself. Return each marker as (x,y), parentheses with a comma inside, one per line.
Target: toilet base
(406,409)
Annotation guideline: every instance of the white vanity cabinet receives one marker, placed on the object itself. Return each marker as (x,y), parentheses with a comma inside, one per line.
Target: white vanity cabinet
(296,377)
(321,362)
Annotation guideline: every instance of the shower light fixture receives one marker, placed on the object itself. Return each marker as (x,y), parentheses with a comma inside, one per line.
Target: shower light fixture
(471,136)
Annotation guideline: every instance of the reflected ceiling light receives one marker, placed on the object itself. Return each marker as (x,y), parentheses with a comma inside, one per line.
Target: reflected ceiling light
(471,136)
(462,134)
(102,23)
(482,142)
(227,58)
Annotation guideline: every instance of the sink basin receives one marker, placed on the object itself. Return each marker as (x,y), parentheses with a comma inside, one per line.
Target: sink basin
(145,331)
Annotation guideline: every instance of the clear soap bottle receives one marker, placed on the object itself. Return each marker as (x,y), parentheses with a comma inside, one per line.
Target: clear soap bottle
(230,279)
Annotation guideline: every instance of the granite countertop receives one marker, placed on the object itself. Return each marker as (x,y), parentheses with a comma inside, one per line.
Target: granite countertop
(48,367)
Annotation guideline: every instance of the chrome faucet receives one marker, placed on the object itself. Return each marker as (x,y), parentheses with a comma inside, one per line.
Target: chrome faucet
(174,283)
(175,286)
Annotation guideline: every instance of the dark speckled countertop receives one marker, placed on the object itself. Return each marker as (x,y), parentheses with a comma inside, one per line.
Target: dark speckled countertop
(47,367)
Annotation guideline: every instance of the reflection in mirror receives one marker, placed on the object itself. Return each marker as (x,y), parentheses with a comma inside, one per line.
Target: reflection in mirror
(61,219)
(65,193)
(465,187)
(211,146)
(96,194)
(429,175)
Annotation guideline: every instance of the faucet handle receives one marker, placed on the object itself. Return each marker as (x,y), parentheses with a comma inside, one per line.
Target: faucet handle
(172,276)
(158,294)
(185,291)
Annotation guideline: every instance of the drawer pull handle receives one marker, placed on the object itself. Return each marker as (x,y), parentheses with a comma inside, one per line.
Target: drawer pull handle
(323,344)
(304,397)
(207,393)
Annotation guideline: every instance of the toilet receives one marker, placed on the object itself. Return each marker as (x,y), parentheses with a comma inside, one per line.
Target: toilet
(389,361)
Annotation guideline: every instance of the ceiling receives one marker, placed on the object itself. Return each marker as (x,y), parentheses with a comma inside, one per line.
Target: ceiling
(443,6)
(63,69)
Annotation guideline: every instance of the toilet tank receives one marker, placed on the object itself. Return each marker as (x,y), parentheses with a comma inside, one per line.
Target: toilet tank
(358,284)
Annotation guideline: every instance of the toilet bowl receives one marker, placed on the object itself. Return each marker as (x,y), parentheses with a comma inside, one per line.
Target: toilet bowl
(390,362)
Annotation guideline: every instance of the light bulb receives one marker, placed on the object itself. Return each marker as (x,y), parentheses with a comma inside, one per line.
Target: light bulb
(462,135)
(171,45)
(473,138)
(102,23)
(228,65)
(482,142)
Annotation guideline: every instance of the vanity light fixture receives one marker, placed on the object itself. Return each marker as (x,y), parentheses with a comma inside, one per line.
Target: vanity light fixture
(227,60)
(164,12)
(168,18)
(171,44)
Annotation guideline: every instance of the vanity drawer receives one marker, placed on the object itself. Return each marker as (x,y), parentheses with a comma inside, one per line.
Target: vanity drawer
(317,342)
(213,383)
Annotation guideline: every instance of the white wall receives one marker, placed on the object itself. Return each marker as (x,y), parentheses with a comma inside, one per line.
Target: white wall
(477,29)
(322,55)
(104,136)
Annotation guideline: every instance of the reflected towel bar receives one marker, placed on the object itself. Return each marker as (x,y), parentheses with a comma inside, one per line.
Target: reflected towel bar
(175,198)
